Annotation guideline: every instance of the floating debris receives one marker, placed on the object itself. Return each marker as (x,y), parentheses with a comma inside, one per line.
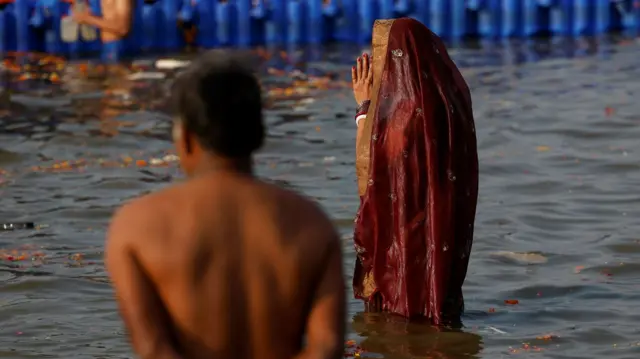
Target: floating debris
(83,165)
(526,347)
(171,64)
(23,254)
(352,349)
(138,76)
(496,330)
(17,226)
(547,337)
(522,257)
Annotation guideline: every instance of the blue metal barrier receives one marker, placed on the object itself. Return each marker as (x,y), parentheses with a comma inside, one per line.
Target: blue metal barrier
(160,25)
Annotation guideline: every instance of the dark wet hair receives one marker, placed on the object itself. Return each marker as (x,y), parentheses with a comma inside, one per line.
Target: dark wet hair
(219,100)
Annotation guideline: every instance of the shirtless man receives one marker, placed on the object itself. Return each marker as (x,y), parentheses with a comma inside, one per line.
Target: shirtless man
(224,265)
(114,25)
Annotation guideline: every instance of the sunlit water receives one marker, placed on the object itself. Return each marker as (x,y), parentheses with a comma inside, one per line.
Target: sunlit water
(558,144)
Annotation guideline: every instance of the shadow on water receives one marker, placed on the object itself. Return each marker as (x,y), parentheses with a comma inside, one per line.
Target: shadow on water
(556,229)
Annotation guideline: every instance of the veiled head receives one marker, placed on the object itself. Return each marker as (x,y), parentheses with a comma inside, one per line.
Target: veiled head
(417,60)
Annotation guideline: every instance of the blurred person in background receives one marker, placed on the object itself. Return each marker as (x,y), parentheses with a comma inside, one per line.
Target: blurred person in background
(114,25)
(225,265)
(417,169)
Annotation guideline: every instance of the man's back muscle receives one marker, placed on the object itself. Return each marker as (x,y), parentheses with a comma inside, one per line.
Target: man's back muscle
(236,262)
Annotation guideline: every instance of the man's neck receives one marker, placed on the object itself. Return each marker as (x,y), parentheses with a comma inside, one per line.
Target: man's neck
(217,164)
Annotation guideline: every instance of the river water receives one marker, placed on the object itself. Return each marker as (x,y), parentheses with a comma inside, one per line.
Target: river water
(555,269)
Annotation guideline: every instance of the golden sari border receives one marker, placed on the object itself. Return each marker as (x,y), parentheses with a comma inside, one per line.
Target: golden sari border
(379,44)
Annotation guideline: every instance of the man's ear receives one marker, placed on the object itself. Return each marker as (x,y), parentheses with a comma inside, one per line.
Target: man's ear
(177,131)
(181,136)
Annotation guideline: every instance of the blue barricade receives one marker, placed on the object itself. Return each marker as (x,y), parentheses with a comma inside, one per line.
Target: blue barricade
(168,25)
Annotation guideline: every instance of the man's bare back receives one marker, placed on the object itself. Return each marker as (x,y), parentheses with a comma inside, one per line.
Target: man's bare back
(225,265)
(236,262)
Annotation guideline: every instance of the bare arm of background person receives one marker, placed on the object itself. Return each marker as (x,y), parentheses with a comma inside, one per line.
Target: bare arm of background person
(116,20)
(140,306)
(326,323)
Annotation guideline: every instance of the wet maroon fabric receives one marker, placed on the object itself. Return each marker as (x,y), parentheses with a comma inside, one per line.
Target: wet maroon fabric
(414,228)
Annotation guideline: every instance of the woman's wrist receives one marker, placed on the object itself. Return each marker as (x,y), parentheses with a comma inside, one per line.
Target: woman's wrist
(362,110)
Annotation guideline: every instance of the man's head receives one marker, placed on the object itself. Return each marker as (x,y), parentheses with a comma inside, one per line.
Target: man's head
(218,106)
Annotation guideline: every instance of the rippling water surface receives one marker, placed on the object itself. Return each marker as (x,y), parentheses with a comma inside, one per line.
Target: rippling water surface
(557,225)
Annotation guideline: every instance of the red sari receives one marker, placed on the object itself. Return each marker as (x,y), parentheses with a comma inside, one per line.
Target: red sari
(417,167)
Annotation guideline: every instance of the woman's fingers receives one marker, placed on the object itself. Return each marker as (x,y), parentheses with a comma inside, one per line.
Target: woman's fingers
(359,68)
(369,78)
(354,75)
(365,67)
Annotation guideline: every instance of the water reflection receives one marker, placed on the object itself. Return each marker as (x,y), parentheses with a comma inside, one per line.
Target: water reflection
(397,338)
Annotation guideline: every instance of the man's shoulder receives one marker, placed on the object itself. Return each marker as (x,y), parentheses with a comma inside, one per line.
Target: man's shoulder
(143,213)
(303,211)
(295,201)
(145,205)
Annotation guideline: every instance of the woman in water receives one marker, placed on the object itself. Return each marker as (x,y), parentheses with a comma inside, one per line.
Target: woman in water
(417,168)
